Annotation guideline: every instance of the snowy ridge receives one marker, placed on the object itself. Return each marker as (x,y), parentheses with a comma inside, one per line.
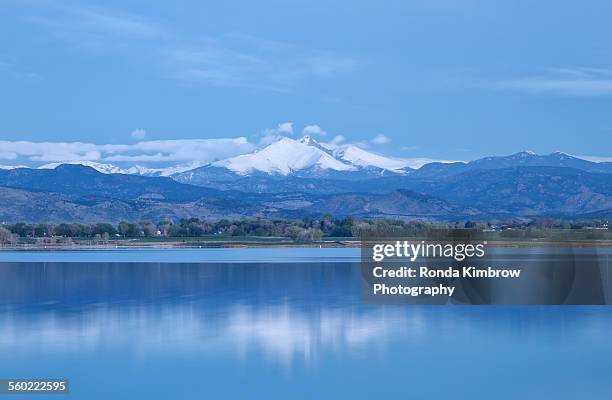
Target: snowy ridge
(113,169)
(13,166)
(100,167)
(169,171)
(362,158)
(288,156)
(284,157)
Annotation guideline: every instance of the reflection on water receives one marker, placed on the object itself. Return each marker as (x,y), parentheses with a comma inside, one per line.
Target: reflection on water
(282,331)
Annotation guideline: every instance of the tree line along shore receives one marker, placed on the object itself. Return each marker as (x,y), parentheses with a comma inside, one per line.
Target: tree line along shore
(305,230)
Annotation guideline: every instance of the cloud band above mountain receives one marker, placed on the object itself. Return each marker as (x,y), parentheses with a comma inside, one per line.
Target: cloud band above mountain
(183,150)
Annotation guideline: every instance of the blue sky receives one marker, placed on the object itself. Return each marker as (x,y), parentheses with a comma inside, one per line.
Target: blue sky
(440,79)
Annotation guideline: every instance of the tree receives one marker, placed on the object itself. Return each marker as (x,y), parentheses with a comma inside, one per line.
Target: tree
(469,225)
(63,230)
(317,234)
(294,232)
(101,229)
(6,237)
(343,228)
(309,235)
(360,229)
(128,229)
(164,227)
(149,229)
(21,229)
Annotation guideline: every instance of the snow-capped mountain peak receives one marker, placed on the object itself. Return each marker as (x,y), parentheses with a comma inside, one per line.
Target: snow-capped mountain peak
(287,156)
(561,154)
(308,140)
(284,157)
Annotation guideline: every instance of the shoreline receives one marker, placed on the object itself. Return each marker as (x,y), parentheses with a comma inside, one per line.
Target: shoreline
(173,245)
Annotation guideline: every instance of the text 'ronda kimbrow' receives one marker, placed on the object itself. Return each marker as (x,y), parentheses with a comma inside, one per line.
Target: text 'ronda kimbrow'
(426,269)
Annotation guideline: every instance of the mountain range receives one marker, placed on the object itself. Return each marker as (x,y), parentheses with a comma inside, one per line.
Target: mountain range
(304,178)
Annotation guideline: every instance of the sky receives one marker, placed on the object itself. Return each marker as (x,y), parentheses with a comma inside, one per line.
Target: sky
(444,79)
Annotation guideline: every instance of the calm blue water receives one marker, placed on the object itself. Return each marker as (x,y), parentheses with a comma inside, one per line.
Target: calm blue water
(217,255)
(249,328)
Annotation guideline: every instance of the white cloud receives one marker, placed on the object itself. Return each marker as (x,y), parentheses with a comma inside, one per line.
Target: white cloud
(204,150)
(144,157)
(337,140)
(596,159)
(51,151)
(4,155)
(285,127)
(271,135)
(380,139)
(138,134)
(311,130)
(571,81)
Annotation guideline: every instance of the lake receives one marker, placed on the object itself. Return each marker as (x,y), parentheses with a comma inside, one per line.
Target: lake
(277,324)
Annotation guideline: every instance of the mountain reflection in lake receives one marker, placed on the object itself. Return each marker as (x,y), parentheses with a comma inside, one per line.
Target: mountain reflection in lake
(283,330)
